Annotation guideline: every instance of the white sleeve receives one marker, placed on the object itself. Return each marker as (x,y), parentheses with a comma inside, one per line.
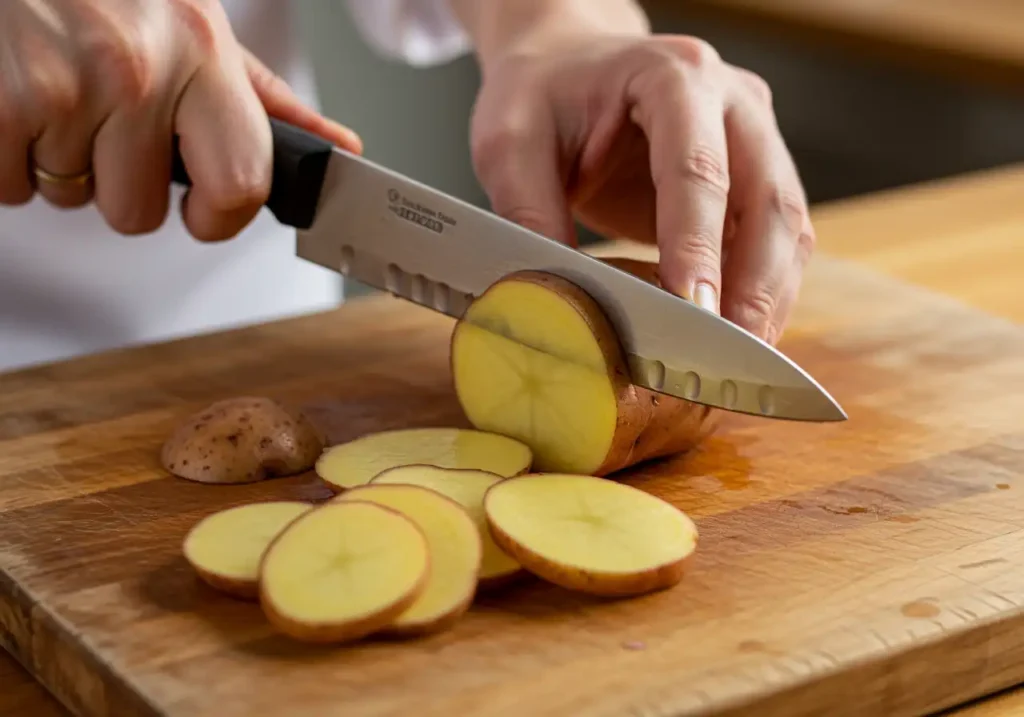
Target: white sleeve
(417,32)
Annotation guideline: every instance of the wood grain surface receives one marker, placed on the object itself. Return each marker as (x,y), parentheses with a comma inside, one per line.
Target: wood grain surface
(980,40)
(871,567)
(23,696)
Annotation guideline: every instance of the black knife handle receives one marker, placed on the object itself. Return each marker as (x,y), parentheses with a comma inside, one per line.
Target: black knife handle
(300,164)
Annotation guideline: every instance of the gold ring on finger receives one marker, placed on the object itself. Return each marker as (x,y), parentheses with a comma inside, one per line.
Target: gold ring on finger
(62,179)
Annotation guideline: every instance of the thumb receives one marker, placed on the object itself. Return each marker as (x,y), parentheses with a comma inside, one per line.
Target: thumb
(518,166)
(281,103)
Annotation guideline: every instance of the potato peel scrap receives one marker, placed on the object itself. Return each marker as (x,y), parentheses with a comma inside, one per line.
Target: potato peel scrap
(242,440)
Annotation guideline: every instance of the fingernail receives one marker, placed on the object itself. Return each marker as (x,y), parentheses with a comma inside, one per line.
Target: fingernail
(705,296)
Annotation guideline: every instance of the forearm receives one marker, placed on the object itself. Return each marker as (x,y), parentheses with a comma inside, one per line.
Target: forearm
(498,26)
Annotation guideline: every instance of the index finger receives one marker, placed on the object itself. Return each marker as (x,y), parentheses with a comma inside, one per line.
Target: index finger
(682,116)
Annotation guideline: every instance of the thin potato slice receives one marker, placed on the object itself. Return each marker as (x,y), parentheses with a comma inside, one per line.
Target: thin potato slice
(467,487)
(535,358)
(225,548)
(355,463)
(455,552)
(589,534)
(343,571)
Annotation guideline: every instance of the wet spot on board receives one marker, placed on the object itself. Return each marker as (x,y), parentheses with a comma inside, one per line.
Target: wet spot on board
(1003,486)
(751,646)
(920,609)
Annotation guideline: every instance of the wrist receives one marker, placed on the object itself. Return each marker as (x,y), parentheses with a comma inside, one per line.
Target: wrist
(501,27)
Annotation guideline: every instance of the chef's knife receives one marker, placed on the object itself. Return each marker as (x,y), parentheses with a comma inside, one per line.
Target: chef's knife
(399,235)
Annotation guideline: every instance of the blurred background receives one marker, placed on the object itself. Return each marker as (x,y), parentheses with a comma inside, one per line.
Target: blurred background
(870,94)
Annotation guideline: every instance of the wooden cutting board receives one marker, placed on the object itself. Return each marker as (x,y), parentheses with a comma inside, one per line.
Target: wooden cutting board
(865,568)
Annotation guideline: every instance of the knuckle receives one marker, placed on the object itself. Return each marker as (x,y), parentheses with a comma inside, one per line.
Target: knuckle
(199,20)
(653,54)
(757,86)
(663,73)
(704,168)
(806,242)
(131,63)
(701,249)
(757,305)
(670,77)
(696,52)
(490,147)
(56,91)
(789,204)
(243,189)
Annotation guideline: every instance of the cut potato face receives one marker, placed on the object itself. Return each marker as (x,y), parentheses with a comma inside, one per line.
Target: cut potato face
(455,551)
(529,366)
(343,571)
(466,487)
(357,462)
(225,548)
(536,359)
(589,534)
(242,440)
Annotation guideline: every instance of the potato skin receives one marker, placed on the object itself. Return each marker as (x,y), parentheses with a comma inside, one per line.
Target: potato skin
(649,425)
(241,589)
(242,440)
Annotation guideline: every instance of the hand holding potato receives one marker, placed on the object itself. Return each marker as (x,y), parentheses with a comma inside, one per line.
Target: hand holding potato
(585,114)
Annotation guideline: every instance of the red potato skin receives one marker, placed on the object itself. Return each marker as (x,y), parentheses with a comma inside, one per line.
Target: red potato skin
(649,425)
(333,633)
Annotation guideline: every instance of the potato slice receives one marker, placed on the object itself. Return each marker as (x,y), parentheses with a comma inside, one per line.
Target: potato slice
(467,487)
(342,572)
(242,440)
(455,552)
(225,548)
(589,534)
(355,463)
(536,359)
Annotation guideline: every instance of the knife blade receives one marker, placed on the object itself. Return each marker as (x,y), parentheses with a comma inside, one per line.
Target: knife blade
(401,236)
